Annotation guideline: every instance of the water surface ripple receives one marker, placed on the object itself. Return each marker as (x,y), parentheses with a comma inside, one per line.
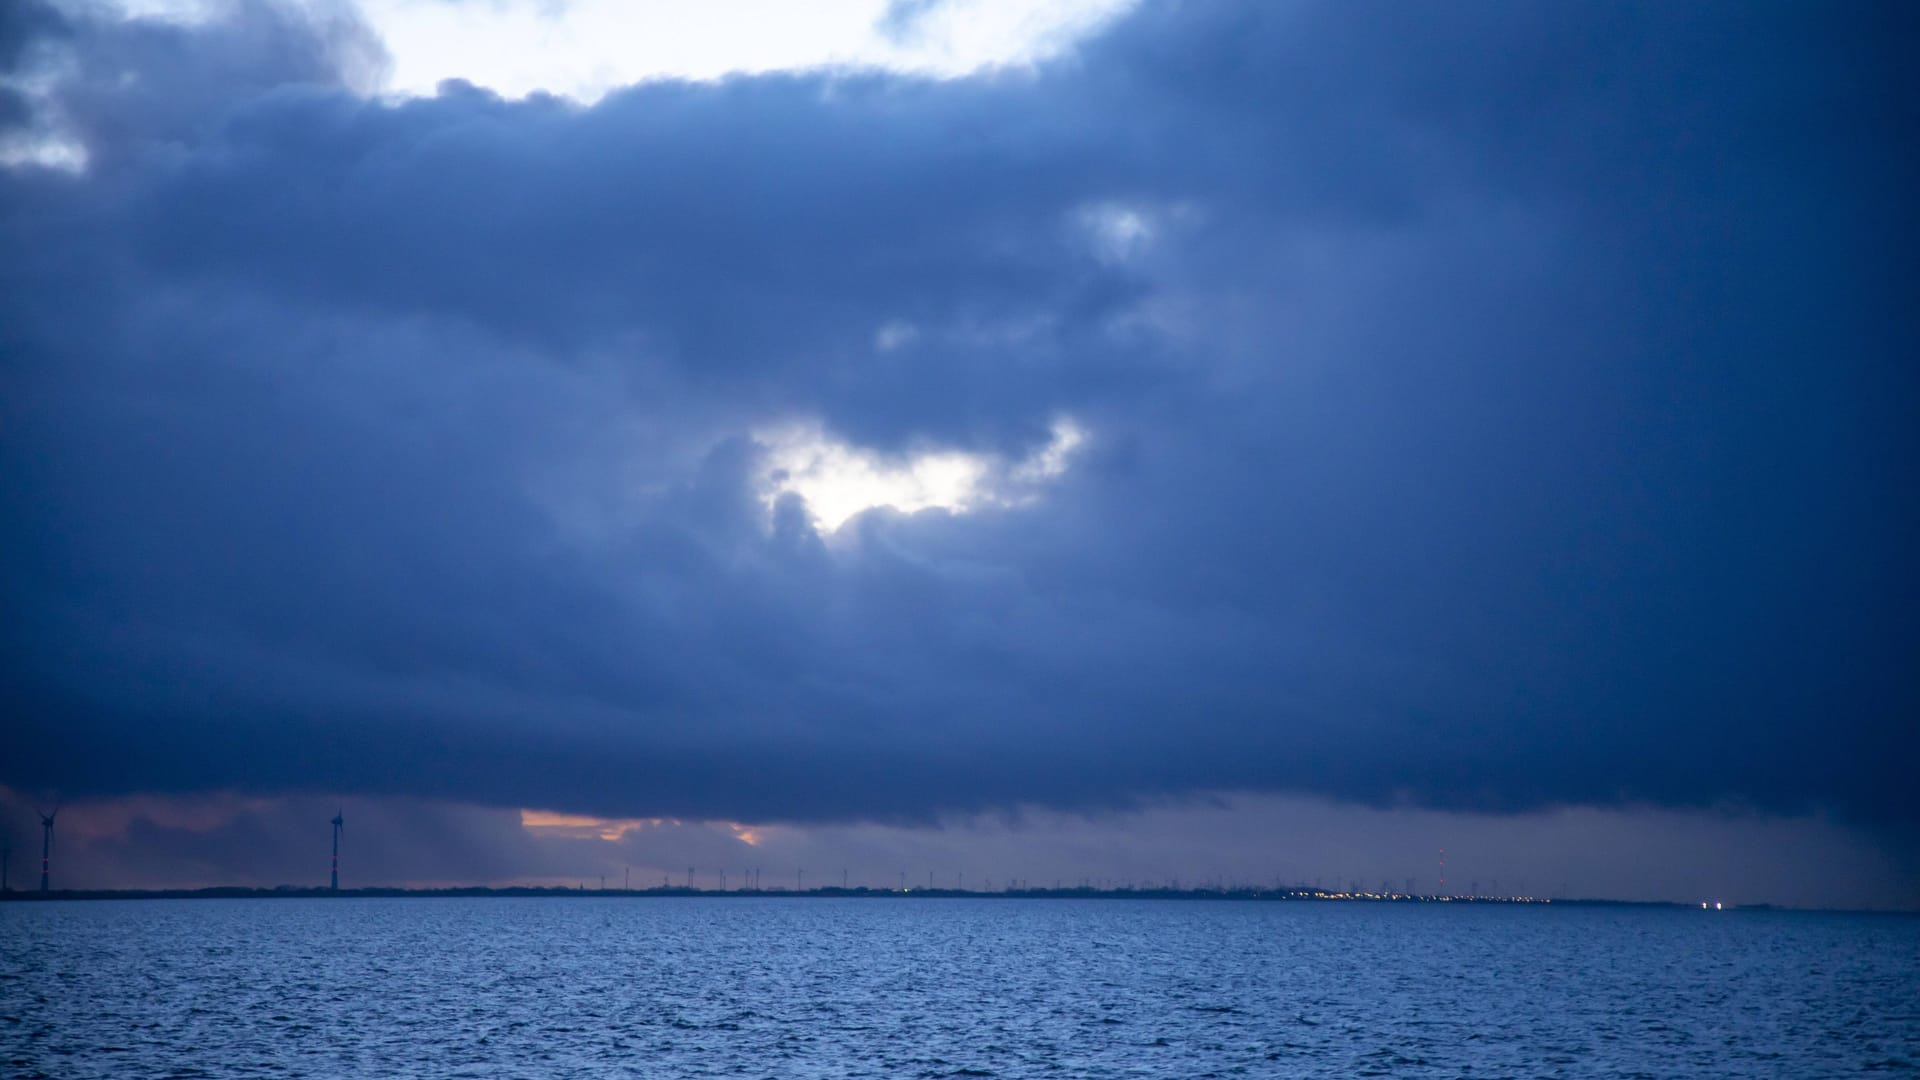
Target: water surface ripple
(766,987)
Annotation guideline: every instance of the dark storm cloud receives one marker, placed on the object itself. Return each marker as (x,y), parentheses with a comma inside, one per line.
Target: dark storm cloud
(1489,408)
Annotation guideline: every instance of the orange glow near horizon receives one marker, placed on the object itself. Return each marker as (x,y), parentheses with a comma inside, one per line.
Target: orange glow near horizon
(588,827)
(582,826)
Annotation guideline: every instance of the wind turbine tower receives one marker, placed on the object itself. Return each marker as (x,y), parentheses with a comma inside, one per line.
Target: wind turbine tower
(46,845)
(339,822)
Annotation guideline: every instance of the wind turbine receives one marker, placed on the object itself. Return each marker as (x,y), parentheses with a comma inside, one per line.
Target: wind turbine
(339,822)
(46,844)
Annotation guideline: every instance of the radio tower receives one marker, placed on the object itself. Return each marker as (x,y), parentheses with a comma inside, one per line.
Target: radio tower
(46,844)
(339,822)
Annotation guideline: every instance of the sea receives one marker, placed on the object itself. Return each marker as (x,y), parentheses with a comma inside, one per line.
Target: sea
(902,987)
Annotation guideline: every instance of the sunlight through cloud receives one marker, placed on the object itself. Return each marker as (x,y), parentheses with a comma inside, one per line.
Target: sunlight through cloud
(839,480)
(583,49)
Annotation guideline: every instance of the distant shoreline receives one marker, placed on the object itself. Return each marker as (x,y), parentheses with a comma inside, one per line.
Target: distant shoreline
(1289,895)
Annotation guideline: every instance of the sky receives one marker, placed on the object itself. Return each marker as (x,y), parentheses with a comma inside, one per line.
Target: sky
(1079,440)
